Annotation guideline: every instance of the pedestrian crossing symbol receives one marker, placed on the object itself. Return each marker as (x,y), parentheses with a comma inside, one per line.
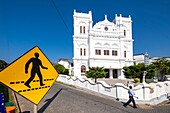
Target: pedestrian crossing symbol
(31,75)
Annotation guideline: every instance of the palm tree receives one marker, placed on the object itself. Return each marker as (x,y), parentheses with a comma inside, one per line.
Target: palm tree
(96,72)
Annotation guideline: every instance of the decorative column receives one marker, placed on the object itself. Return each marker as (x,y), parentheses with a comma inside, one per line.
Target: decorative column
(144,74)
(111,73)
(146,63)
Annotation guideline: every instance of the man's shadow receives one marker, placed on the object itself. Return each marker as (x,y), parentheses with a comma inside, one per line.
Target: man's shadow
(48,102)
(168,102)
(128,105)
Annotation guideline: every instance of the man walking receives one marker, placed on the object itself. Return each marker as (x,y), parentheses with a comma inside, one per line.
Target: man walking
(36,64)
(131,99)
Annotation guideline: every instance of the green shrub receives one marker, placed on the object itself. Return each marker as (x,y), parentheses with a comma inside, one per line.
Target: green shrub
(66,72)
(136,80)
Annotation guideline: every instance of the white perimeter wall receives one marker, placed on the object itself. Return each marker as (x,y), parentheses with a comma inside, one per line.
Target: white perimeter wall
(147,94)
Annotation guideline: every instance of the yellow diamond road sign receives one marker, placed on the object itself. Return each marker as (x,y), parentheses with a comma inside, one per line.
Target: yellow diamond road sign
(31,75)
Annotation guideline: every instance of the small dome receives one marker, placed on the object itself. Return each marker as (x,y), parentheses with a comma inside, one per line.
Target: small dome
(105,23)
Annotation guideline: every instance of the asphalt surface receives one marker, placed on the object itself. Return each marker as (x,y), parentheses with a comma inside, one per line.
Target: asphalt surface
(65,99)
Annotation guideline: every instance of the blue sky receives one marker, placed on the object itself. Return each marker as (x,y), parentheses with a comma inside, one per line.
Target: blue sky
(28,23)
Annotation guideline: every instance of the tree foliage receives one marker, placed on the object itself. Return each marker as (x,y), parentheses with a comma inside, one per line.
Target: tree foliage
(3,64)
(59,68)
(96,72)
(150,71)
(136,71)
(4,89)
(66,72)
(161,66)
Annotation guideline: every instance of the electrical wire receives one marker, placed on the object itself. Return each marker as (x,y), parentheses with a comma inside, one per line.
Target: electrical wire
(61,17)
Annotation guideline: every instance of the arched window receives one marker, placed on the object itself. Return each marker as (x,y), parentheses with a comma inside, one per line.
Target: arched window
(106,52)
(81,52)
(124,32)
(84,52)
(80,29)
(124,54)
(97,52)
(83,69)
(84,29)
(114,52)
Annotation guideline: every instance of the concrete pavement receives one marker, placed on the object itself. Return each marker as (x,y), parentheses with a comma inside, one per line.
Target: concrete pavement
(64,99)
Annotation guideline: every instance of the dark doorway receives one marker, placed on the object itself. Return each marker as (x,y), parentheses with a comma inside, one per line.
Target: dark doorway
(115,73)
(107,70)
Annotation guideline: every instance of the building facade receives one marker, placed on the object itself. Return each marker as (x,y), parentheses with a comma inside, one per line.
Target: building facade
(68,65)
(104,44)
(142,58)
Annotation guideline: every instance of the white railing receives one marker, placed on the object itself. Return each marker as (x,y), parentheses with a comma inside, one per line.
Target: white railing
(147,93)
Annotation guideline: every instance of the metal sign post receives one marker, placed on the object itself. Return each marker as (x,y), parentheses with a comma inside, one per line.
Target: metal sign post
(35,108)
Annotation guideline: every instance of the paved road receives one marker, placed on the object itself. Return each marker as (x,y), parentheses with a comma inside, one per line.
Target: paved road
(63,99)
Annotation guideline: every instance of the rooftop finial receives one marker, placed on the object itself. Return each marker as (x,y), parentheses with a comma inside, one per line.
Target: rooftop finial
(105,17)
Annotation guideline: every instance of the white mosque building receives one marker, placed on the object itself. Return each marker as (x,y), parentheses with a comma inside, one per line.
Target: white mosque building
(104,44)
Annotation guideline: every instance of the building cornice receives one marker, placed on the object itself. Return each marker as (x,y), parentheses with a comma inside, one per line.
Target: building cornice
(113,59)
(80,37)
(106,35)
(80,59)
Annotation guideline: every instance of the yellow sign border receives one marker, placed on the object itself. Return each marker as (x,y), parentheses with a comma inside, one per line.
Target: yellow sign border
(19,59)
